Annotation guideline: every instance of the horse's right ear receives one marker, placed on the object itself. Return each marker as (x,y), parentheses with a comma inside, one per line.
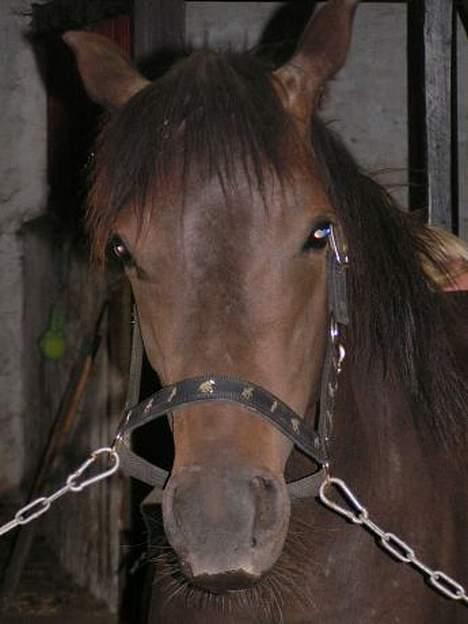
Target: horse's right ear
(321,52)
(108,75)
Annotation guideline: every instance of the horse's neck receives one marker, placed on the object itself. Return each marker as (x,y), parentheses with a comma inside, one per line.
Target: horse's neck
(410,487)
(376,444)
(372,434)
(374,427)
(374,439)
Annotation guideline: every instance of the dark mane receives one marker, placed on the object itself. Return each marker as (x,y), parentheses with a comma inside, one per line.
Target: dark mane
(400,321)
(216,110)
(222,112)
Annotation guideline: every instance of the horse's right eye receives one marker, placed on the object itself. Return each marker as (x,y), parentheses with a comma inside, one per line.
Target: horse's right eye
(120,251)
(318,237)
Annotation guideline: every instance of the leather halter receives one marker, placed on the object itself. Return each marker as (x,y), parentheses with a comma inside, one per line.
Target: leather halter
(312,442)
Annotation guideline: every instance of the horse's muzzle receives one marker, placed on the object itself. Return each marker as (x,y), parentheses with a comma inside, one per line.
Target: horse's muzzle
(227,525)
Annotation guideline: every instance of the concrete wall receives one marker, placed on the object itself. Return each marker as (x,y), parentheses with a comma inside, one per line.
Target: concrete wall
(22,197)
(42,264)
(367,100)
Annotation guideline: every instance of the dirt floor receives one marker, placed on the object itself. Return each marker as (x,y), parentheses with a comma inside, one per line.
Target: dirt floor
(45,594)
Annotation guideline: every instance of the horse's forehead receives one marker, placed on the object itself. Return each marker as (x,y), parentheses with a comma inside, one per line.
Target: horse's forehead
(232,219)
(196,209)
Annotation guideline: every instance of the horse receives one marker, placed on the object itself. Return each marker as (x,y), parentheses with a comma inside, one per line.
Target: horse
(255,246)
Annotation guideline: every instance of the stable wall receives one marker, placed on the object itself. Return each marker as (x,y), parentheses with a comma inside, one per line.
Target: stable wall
(22,197)
(44,262)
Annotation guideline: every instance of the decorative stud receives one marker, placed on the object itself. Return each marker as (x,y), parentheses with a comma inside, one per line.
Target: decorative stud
(295,424)
(247,393)
(172,395)
(149,405)
(207,387)
(274,407)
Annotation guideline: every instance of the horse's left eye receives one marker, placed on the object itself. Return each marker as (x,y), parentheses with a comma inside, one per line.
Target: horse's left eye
(318,237)
(120,250)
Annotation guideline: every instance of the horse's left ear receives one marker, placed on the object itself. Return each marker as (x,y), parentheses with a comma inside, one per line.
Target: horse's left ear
(321,52)
(108,75)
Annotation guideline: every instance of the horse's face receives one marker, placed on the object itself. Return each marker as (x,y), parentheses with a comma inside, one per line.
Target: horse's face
(232,281)
(230,290)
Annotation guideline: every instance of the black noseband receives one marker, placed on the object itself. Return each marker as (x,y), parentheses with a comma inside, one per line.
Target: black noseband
(228,390)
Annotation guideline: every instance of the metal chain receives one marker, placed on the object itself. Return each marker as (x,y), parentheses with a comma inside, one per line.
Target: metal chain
(358,514)
(74,483)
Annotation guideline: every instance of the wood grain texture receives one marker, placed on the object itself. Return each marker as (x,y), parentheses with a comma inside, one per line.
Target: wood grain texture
(432,123)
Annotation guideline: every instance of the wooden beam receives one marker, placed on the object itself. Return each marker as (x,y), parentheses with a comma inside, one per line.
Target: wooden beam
(432,104)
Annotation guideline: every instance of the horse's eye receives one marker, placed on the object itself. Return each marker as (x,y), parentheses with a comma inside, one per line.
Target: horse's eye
(318,237)
(119,249)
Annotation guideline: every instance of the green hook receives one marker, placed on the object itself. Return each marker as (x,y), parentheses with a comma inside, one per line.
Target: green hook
(52,342)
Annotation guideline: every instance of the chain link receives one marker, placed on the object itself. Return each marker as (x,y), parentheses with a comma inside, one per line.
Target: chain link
(74,483)
(358,514)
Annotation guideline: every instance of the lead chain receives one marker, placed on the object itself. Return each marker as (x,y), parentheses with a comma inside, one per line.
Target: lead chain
(74,483)
(358,514)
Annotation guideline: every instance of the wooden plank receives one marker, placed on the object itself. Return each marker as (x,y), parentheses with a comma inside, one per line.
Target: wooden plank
(432,122)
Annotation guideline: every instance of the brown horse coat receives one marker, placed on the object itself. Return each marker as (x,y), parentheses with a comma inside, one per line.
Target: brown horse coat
(216,186)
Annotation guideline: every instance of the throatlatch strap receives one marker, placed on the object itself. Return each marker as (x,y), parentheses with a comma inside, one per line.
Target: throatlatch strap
(136,364)
(132,464)
(337,290)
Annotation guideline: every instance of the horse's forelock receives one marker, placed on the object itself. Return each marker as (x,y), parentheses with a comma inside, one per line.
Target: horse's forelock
(216,113)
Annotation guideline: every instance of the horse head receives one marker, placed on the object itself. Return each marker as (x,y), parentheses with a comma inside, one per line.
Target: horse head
(208,189)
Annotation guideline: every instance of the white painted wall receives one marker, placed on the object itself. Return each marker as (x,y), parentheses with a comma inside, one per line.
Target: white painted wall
(22,197)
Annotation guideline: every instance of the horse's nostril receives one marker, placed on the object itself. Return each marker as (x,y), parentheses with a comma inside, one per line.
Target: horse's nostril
(268,509)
